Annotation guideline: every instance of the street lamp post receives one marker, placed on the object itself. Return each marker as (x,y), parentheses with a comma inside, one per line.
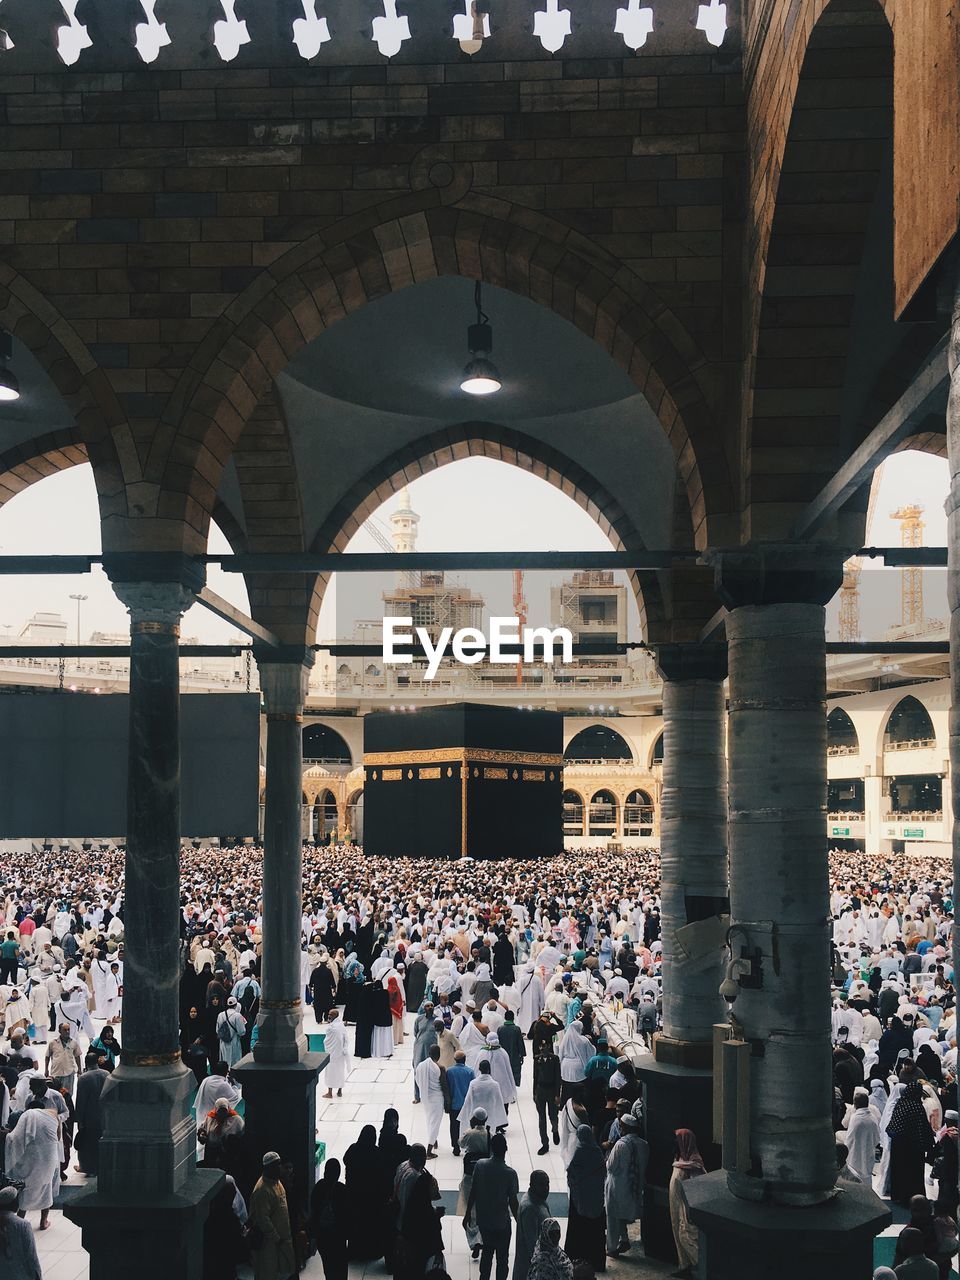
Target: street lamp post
(79,597)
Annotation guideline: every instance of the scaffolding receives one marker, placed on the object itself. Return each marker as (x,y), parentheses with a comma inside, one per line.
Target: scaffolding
(850,601)
(911,576)
(592,605)
(433,604)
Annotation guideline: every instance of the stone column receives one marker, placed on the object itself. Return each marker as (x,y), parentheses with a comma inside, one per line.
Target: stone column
(779,892)
(872,814)
(678,1082)
(780,923)
(284,686)
(147,1209)
(693,849)
(779,873)
(279,1077)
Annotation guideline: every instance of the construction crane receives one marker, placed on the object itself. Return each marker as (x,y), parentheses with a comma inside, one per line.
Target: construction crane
(381,536)
(520,612)
(911,576)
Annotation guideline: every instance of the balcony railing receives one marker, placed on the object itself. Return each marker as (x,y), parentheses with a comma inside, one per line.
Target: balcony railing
(911,744)
(604,766)
(915,815)
(845,815)
(842,749)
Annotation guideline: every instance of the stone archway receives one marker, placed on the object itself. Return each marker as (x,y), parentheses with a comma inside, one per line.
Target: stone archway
(452,444)
(99,423)
(368,256)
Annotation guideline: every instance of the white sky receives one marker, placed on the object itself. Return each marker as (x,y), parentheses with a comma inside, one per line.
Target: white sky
(477,504)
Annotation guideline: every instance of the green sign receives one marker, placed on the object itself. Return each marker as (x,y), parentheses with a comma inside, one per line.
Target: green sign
(913,833)
(839,831)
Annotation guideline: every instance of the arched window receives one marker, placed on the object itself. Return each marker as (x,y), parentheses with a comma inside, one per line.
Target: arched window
(324,745)
(909,727)
(657,755)
(598,742)
(638,814)
(603,814)
(572,814)
(372,670)
(325,814)
(344,676)
(841,735)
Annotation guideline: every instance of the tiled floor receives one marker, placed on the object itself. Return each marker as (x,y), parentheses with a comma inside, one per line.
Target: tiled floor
(371,1087)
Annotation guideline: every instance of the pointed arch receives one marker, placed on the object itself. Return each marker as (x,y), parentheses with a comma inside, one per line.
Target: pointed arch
(908,725)
(505,444)
(99,422)
(842,738)
(386,249)
(321,742)
(598,742)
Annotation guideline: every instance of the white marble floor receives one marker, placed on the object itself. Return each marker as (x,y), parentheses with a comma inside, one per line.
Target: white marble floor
(372,1086)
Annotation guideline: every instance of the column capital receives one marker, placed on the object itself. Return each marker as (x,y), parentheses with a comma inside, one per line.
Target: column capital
(777,573)
(676,662)
(284,678)
(155,605)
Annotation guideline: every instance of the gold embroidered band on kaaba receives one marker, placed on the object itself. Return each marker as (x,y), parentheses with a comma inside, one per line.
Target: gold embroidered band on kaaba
(460,755)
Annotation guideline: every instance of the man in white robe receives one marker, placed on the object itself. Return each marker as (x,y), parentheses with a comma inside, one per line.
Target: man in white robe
(429,1076)
(33,1153)
(500,1068)
(211,1089)
(336,1044)
(492,1016)
(862,1137)
(36,993)
(72,1008)
(531,997)
(484,1095)
(100,973)
(472,1043)
(113,993)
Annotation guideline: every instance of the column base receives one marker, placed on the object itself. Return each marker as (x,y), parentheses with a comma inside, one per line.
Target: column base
(683,1053)
(149,1142)
(153,1239)
(674,1098)
(743,1240)
(280,1114)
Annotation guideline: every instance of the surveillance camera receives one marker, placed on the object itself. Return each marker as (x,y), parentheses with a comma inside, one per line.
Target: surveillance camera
(729,990)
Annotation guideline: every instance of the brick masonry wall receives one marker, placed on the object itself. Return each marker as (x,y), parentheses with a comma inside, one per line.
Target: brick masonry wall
(156,214)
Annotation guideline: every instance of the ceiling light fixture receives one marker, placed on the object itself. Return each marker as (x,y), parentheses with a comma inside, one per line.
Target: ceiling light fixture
(480,377)
(9,386)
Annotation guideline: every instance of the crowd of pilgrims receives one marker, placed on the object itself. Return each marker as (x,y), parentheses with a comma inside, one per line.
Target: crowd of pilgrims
(487,965)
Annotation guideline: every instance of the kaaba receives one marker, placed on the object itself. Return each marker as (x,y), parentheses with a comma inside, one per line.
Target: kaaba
(463,781)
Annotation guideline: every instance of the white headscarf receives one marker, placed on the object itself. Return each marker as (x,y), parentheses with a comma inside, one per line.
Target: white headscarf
(574,1053)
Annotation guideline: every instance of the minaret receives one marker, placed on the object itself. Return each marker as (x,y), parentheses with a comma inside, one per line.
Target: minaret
(405,522)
